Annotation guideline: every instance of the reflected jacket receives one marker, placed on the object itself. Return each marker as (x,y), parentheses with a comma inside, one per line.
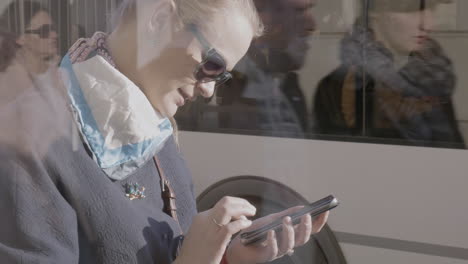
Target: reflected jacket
(367,97)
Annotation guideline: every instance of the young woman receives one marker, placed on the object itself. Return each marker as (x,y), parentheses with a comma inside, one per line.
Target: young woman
(119,190)
(395,80)
(29,76)
(28,46)
(29,37)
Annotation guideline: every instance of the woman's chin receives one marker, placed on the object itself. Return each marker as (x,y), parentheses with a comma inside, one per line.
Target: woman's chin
(168,110)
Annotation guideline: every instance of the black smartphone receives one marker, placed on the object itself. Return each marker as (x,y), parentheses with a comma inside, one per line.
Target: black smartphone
(259,235)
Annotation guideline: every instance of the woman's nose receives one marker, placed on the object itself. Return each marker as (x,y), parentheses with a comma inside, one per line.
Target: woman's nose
(427,20)
(205,89)
(310,24)
(53,34)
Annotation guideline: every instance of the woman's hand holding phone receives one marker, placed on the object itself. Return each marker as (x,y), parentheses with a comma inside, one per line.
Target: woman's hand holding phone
(278,244)
(314,209)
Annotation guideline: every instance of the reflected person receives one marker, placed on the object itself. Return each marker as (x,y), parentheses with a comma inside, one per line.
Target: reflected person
(264,96)
(394,81)
(29,74)
(28,47)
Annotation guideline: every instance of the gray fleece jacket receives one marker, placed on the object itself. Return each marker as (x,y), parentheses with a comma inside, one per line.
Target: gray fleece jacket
(58,206)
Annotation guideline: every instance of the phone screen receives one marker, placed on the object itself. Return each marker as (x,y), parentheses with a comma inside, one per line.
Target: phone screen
(259,235)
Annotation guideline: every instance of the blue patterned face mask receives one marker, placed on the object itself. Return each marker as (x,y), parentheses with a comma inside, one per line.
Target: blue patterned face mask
(116,121)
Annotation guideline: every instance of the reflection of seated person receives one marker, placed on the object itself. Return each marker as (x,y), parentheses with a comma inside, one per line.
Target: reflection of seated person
(28,54)
(30,91)
(264,95)
(408,81)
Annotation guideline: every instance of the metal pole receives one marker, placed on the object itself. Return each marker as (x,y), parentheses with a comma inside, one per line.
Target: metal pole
(21,16)
(365,11)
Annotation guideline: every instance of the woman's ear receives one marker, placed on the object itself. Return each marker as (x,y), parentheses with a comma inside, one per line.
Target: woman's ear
(162,23)
(158,28)
(163,13)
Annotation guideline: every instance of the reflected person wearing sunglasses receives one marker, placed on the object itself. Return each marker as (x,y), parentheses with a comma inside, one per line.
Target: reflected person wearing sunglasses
(39,41)
(43,32)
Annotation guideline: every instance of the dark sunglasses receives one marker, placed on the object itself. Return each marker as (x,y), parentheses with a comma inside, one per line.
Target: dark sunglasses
(212,68)
(43,32)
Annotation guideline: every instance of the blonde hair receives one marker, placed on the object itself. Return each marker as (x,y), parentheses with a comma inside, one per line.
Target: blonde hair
(198,12)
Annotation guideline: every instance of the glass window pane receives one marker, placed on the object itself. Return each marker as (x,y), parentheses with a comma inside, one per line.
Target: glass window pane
(366,71)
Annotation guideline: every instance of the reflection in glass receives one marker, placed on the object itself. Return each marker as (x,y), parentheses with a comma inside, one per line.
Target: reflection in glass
(29,37)
(395,80)
(264,95)
(31,97)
